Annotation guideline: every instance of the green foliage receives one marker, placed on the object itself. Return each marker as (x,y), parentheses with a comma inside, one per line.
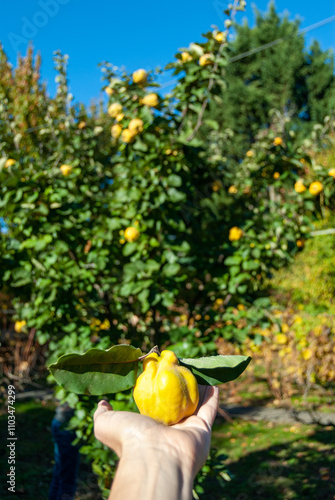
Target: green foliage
(97,372)
(309,281)
(284,76)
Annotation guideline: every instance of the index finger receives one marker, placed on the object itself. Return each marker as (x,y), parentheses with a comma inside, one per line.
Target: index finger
(209,405)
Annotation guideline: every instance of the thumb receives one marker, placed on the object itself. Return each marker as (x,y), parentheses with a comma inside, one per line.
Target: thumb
(103,406)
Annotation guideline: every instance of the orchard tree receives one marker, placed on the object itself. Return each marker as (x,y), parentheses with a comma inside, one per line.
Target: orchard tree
(283,76)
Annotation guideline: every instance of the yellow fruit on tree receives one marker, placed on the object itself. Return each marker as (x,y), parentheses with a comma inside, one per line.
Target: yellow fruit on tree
(116,131)
(315,188)
(276,175)
(131,234)
(206,59)
(166,391)
(109,91)
(9,162)
(232,189)
(66,169)
(114,109)
(235,233)
(19,326)
(136,125)
(331,172)
(277,141)
(249,153)
(299,187)
(128,136)
(220,36)
(140,76)
(186,57)
(150,100)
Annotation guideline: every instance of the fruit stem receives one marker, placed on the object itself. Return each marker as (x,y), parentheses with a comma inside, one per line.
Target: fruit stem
(153,350)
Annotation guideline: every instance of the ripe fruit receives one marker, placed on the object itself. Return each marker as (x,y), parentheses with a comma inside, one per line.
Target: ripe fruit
(140,76)
(109,91)
(277,141)
(232,189)
(186,57)
(206,59)
(66,169)
(116,131)
(9,162)
(299,187)
(131,234)
(19,326)
(128,136)
(114,109)
(315,188)
(150,100)
(220,36)
(331,172)
(136,125)
(235,233)
(166,391)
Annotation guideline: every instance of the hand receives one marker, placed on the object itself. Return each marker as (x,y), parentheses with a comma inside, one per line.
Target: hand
(181,449)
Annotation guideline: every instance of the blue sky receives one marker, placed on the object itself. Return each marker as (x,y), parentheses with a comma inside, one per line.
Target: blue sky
(132,34)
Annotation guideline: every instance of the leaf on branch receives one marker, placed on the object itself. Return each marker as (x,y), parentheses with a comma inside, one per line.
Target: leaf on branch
(98,372)
(215,370)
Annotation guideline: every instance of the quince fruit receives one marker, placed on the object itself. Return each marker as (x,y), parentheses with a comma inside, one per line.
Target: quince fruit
(166,391)
(140,76)
(65,169)
(131,233)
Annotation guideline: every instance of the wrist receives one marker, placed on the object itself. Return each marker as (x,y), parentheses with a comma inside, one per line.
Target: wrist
(151,472)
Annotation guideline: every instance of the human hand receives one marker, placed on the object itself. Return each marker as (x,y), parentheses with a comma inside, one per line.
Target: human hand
(184,445)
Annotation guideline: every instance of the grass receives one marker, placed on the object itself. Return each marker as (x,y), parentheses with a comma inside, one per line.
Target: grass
(34,454)
(34,450)
(265,460)
(276,461)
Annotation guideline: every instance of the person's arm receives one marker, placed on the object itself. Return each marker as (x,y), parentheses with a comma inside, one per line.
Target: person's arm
(156,461)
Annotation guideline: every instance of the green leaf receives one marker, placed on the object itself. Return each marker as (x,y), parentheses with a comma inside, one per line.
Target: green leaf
(98,372)
(171,269)
(233,260)
(215,370)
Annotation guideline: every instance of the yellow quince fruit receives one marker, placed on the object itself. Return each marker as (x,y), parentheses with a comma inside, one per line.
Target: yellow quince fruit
(220,36)
(140,76)
(150,100)
(166,391)
(128,136)
(206,59)
(65,169)
(114,109)
(136,125)
(315,188)
(131,234)
(9,162)
(116,131)
(19,325)
(277,141)
(235,233)
(299,186)
(186,57)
